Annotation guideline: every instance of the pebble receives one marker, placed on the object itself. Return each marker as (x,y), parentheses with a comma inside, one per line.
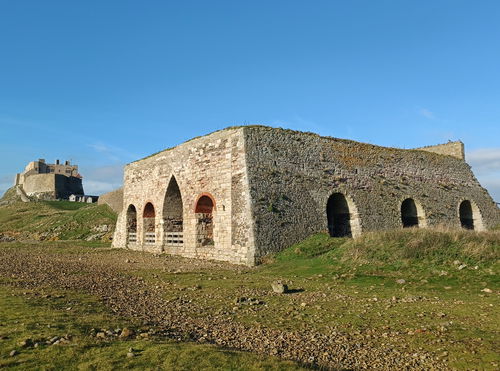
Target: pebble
(13,353)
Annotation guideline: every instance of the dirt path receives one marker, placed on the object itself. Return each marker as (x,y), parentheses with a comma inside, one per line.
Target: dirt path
(105,276)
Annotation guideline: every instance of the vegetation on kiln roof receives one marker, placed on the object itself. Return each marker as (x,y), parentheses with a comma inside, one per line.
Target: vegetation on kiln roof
(291,131)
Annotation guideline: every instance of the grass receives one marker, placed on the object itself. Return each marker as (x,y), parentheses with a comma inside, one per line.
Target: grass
(55,220)
(432,246)
(41,315)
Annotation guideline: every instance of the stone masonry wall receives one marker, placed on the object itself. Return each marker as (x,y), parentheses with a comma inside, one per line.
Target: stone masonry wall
(213,165)
(455,149)
(41,186)
(292,175)
(113,199)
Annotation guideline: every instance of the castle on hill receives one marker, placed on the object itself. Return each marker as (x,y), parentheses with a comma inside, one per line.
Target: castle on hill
(244,192)
(43,181)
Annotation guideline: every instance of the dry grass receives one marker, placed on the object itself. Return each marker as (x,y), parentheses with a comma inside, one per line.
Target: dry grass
(439,245)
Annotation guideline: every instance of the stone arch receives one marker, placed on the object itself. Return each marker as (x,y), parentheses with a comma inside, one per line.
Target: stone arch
(203,210)
(470,215)
(412,214)
(204,196)
(149,224)
(131,224)
(342,216)
(173,223)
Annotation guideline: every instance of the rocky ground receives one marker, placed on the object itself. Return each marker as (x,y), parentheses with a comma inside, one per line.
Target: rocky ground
(110,276)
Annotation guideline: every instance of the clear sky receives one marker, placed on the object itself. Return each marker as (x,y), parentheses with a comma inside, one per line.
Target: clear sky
(103,82)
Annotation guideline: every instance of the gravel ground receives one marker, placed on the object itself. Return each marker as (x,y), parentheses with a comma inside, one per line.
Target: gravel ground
(105,275)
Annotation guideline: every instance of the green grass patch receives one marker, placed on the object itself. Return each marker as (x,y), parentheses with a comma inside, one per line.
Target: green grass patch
(56,220)
(65,205)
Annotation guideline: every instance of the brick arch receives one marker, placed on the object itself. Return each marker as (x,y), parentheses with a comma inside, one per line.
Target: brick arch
(149,212)
(149,223)
(203,209)
(196,207)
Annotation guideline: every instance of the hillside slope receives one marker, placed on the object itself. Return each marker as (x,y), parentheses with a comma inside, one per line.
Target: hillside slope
(56,220)
(9,196)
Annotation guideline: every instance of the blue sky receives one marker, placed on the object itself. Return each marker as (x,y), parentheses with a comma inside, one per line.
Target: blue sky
(104,83)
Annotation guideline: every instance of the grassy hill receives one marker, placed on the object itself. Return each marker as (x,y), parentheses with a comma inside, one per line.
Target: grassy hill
(55,220)
(9,196)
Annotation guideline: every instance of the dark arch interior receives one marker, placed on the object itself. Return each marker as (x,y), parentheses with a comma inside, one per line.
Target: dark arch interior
(149,222)
(339,218)
(466,218)
(409,215)
(131,219)
(204,205)
(172,209)
(205,225)
(149,211)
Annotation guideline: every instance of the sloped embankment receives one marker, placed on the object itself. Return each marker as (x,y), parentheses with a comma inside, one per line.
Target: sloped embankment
(56,220)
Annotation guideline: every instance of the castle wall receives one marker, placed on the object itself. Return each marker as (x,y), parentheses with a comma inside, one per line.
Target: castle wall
(41,186)
(51,186)
(292,175)
(213,165)
(67,185)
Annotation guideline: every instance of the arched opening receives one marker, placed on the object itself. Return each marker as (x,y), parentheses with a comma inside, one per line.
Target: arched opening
(148,218)
(131,225)
(409,213)
(339,216)
(204,221)
(172,215)
(466,215)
